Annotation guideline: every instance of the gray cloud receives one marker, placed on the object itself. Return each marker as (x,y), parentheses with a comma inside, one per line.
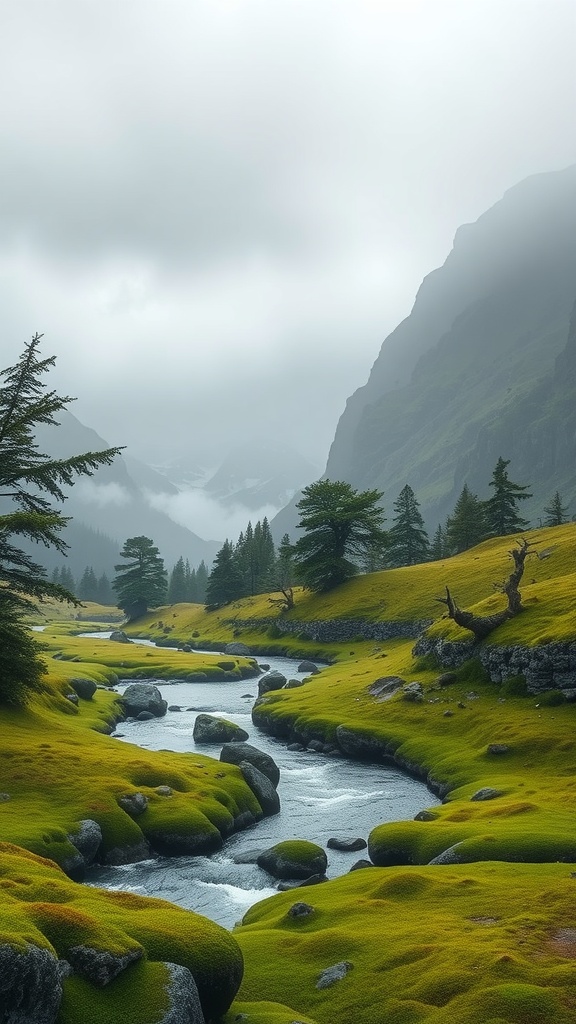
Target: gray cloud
(216,211)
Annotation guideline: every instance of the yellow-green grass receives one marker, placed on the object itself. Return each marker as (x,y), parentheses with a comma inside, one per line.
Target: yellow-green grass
(492,945)
(49,610)
(406,594)
(532,821)
(41,906)
(59,768)
(110,660)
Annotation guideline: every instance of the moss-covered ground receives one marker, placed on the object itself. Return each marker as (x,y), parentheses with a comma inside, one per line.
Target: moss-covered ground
(41,906)
(492,945)
(491,940)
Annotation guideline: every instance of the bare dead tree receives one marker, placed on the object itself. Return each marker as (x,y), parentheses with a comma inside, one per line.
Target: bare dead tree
(482,625)
(286,602)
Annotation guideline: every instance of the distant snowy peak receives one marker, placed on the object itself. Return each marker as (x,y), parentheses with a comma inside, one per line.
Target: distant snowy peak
(256,475)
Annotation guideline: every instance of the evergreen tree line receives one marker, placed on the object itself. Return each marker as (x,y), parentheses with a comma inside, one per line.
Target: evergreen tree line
(475,519)
(250,566)
(184,584)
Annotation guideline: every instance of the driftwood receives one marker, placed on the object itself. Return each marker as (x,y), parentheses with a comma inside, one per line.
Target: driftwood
(482,625)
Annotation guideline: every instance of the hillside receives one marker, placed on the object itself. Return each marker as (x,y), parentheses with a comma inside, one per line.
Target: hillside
(472,373)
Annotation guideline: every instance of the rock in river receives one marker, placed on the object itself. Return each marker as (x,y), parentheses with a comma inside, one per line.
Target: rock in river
(209,729)
(234,753)
(140,697)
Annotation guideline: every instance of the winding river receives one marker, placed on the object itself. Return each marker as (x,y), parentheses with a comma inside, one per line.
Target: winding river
(321,797)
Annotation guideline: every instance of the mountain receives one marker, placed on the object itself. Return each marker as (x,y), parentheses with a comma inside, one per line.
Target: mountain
(113,504)
(258,475)
(478,369)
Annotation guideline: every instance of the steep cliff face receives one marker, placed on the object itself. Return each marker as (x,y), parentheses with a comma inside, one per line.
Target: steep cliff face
(481,366)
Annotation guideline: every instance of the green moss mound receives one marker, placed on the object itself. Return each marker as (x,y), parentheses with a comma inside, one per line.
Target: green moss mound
(42,906)
(426,944)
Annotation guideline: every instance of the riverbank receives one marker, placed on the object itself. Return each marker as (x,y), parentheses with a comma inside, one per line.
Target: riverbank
(476,941)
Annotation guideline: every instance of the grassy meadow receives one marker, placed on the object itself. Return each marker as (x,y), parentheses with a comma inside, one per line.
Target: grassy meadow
(490,939)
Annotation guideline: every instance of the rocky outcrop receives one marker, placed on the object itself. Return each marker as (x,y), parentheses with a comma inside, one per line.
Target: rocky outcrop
(547,667)
(30,985)
(210,729)
(235,753)
(120,636)
(139,697)
(340,630)
(333,974)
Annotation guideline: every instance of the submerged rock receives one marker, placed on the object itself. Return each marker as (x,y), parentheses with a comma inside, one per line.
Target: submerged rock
(347,845)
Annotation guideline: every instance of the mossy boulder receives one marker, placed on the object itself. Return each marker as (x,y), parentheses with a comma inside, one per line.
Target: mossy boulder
(211,729)
(294,858)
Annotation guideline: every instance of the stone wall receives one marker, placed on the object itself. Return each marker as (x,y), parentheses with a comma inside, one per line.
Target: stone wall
(339,630)
(549,667)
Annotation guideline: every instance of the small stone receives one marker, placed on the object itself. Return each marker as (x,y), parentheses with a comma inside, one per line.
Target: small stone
(486,794)
(300,910)
(448,714)
(347,845)
(133,803)
(73,698)
(498,748)
(333,974)
(4,797)
(163,790)
(362,864)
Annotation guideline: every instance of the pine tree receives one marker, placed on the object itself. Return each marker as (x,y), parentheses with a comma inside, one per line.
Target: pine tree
(88,585)
(29,482)
(407,539)
(466,526)
(225,583)
(67,580)
(141,584)
(341,525)
(501,510)
(177,589)
(283,573)
(105,594)
(439,546)
(201,582)
(556,512)
(265,556)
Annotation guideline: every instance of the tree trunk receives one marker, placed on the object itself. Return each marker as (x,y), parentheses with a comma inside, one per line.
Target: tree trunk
(482,625)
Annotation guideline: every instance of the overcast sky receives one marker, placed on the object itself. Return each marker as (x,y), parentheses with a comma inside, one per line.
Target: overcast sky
(216,210)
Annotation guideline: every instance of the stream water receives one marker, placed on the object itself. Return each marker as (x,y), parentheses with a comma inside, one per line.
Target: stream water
(321,797)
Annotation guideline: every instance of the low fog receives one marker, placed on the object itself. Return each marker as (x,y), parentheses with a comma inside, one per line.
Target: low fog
(216,211)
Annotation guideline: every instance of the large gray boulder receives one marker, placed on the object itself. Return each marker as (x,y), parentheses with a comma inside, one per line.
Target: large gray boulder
(119,636)
(271,681)
(308,666)
(240,650)
(235,753)
(30,985)
(183,999)
(85,688)
(210,729)
(140,697)
(262,788)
